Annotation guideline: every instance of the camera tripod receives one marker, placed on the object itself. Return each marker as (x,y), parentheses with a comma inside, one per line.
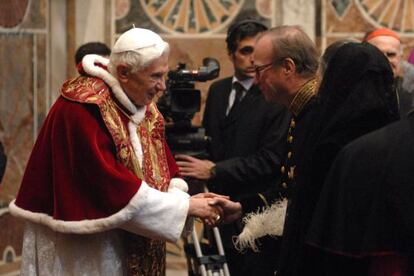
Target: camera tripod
(206,264)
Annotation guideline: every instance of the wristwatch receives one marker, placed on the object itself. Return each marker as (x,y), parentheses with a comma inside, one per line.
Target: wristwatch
(213,172)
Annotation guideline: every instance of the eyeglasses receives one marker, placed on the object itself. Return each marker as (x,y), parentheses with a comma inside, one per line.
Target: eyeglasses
(262,68)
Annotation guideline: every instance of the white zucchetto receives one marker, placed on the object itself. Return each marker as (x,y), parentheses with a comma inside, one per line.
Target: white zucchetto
(135,39)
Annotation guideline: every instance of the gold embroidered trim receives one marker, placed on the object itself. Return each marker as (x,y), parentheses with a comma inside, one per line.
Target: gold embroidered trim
(305,93)
(263,199)
(152,136)
(121,138)
(124,112)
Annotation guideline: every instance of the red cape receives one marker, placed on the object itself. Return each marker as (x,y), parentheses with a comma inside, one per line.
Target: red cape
(73,173)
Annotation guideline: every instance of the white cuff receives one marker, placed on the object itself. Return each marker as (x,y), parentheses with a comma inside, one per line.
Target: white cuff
(150,213)
(178,183)
(159,215)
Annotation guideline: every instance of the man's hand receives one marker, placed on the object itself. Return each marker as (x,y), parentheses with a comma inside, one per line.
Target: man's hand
(231,210)
(200,207)
(193,167)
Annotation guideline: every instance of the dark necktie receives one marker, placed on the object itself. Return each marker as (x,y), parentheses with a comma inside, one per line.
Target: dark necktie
(239,89)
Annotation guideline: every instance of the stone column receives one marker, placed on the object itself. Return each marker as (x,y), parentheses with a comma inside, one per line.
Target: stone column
(57,48)
(295,12)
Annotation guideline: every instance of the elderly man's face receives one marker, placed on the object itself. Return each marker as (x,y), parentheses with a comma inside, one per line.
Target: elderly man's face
(142,86)
(391,47)
(269,76)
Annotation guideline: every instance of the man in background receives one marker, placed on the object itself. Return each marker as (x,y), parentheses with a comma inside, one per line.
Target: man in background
(247,143)
(389,43)
(97,48)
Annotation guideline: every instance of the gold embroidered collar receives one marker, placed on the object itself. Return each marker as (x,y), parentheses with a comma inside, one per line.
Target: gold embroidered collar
(305,93)
(125,113)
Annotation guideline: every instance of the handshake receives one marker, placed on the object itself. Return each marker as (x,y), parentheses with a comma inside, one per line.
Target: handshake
(210,207)
(214,209)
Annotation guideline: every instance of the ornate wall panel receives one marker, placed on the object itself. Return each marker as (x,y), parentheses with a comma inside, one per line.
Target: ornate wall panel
(185,17)
(352,18)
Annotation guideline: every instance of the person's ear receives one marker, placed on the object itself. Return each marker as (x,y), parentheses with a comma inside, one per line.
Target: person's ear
(123,73)
(289,66)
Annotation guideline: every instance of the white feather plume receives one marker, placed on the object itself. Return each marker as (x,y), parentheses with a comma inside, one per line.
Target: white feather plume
(268,221)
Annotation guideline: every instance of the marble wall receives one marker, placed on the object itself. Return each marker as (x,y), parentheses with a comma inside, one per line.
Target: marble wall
(23,84)
(10,243)
(24,101)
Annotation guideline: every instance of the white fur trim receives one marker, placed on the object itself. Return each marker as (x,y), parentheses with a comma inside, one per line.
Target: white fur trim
(269,221)
(178,183)
(88,64)
(162,216)
(138,116)
(150,213)
(136,143)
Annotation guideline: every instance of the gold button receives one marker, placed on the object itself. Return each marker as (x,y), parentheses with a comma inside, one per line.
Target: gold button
(291,172)
(292,123)
(284,185)
(290,139)
(282,169)
(289,154)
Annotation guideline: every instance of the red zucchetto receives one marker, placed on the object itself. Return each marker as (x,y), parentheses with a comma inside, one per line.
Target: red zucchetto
(381,32)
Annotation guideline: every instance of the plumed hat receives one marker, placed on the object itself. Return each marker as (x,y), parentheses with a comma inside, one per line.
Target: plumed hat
(136,39)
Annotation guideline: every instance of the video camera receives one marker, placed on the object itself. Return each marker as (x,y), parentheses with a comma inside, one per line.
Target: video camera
(179,104)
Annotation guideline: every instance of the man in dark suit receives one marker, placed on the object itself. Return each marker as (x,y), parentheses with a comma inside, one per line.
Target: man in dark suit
(247,142)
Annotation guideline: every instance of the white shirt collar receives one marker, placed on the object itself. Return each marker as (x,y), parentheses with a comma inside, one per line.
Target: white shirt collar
(247,83)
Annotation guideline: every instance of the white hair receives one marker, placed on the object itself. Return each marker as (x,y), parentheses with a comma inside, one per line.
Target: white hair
(137,59)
